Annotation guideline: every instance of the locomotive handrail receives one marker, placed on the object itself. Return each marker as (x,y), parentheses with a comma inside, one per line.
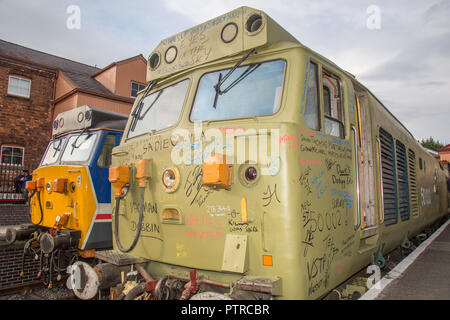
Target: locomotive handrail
(358,214)
(381,180)
(263,231)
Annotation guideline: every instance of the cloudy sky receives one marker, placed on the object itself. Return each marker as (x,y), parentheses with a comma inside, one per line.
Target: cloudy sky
(399,49)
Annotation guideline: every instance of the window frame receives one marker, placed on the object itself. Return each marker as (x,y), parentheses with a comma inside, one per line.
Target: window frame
(11,146)
(319,106)
(221,68)
(22,79)
(321,110)
(63,146)
(162,87)
(104,143)
(93,150)
(327,71)
(137,92)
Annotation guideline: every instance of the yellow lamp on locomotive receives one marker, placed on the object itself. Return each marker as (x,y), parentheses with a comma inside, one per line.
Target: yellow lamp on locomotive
(119,176)
(30,186)
(143,172)
(216,172)
(59,185)
(40,184)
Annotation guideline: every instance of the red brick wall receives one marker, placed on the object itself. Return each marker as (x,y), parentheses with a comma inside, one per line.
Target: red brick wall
(10,267)
(26,122)
(10,257)
(14,214)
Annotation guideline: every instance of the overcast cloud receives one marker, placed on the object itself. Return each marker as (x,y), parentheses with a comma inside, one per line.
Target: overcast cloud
(405,63)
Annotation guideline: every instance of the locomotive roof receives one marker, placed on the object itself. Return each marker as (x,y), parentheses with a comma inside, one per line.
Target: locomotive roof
(225,36)
(214,40)
(88,117)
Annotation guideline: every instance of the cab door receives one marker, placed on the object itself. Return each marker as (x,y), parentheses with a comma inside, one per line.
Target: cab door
(365,162)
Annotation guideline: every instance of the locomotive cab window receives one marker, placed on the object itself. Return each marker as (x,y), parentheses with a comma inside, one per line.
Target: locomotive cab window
(250,91)
(104,159)
(159,110)
(312,99)
(333,109)
(79,147)
(53,151)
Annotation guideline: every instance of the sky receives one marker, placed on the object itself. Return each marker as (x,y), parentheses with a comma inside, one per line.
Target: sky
(400,50)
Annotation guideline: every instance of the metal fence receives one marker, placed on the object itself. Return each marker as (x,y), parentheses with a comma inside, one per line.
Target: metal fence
(7,174)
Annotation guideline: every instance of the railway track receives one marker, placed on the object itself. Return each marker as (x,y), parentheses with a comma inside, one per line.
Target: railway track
(37,291)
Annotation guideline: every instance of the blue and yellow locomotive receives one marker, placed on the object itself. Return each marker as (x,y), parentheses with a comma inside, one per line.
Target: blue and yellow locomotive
(70,194)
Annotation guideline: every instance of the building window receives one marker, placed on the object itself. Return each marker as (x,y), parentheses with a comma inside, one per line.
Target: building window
(135,88)
(12,155)
(19,86)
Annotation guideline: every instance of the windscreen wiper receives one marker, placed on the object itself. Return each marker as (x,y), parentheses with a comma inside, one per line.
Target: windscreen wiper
(249,70)
(137,111)
(222,80)
(151,105)
(58,148)
(74,144)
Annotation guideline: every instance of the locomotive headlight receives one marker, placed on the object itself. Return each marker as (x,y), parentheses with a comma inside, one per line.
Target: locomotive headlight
(251,173)
(171,179)
(48,187)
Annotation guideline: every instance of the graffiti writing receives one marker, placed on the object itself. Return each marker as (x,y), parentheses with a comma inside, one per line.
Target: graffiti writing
(268,195)
(194,190)
(304,181)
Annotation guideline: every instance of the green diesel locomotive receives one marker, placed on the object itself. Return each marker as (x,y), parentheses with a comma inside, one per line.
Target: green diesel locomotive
(252,167)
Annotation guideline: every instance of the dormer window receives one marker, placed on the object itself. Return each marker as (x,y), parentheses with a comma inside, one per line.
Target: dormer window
(18,86)
(135,88)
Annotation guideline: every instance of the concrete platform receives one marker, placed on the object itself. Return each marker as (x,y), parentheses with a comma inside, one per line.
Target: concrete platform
(422,275)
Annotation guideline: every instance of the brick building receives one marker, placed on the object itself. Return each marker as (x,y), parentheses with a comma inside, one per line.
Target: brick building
(26,94)
(36,86)
(444,156)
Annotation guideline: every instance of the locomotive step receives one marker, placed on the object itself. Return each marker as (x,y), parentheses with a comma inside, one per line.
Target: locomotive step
(118,259)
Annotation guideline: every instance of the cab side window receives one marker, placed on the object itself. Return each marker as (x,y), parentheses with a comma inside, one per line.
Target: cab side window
(104,159)
(312,118)
(333,106)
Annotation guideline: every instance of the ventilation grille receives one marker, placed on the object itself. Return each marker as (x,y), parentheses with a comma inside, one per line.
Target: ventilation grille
(388,177)
(402,180)
(412,183)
